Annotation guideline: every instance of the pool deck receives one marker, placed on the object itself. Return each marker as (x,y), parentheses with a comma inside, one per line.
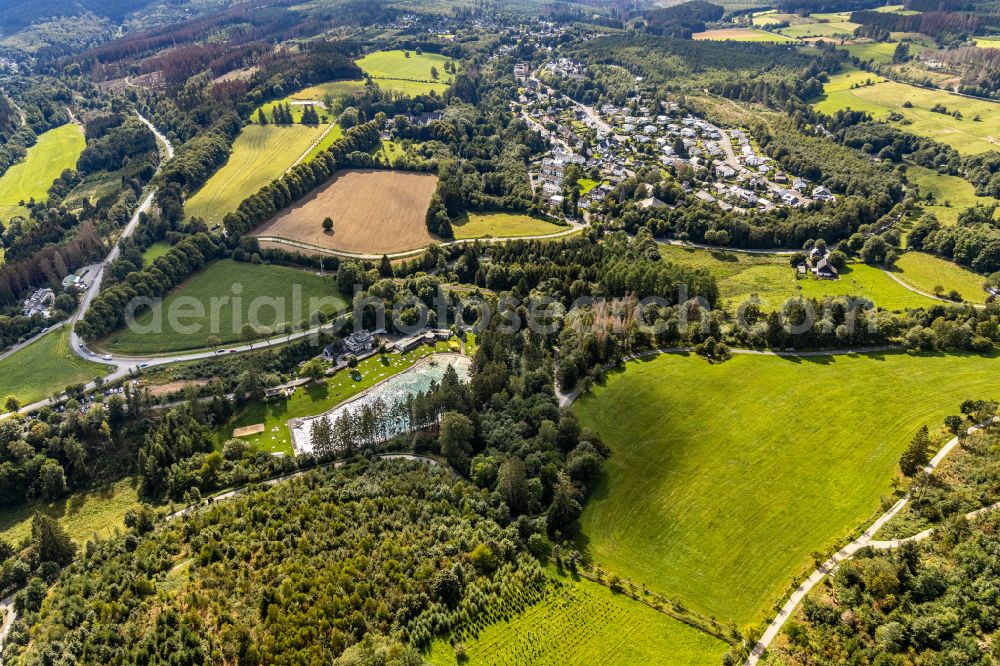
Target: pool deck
(301,427)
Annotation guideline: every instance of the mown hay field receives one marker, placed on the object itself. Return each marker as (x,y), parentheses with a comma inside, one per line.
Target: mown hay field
(373,212)
(260,154)
(724,478)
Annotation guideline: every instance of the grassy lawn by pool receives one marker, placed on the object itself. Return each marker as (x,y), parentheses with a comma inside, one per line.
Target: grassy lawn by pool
(82,514)
(503,225)
(44,367)
(929,273)
(952,194)
(54,151)
(966,135)
(260,155)
(724,478)
(241,292)
(582,622)
(316,398)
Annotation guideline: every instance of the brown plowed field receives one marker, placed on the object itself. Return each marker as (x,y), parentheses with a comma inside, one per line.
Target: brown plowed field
(373,211)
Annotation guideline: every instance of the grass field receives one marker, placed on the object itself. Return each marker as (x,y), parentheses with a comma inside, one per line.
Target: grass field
(335,88)
(335,133)
(54,151)
(243,292)
(724,478)
(373,211)
(154,252)
(260,154)
(297,109)
(988,42)
(315,399)
(927,272)
(957,192)
(740,35)
(395,72)
(397,65)
(831,29)
(965,135)
(880,52)
(771,277)
(503,225)
(82,514)
(44,367)
(772,16)
(583,623)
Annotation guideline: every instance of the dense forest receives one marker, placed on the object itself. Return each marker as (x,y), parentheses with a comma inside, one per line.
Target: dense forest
(229,582)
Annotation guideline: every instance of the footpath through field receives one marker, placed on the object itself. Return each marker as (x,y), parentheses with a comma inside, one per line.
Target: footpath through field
(865,540)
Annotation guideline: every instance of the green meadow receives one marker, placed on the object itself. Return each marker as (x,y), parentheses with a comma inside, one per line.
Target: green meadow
(932,275)
(260,154)
(724,478)
(831,29)
(952,194)
(966,135)
(238,292)
(772,279)
(503,225)
(407,73)
(154,252)
(83,514)
(880,52)
(54,151)
(334,88)
(44,367)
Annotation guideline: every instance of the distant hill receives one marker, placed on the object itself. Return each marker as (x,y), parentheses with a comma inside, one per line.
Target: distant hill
(17,14)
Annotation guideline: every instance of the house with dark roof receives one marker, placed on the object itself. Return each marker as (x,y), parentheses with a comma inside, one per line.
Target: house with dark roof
(824,269)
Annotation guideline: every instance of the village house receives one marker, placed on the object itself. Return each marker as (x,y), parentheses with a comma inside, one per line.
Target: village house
(820,193)
(40,303)
(358,342)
